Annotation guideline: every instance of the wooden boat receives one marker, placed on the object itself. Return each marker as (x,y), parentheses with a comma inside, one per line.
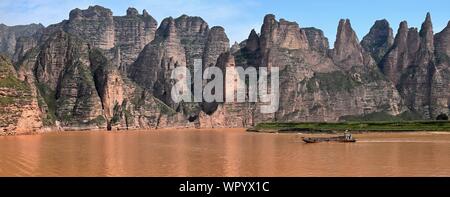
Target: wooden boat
(342,139)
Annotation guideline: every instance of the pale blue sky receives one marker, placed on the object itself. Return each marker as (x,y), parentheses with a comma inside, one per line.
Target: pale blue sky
(238,17)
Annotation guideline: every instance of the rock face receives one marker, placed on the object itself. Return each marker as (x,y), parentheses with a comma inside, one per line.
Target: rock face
(379,40)
(283,34)
(347,51)
(250,51)
(401,54)
(132,33)
(17,40)
(178,43)
(129,33)
(99,71)
(79,88)
(23,46)
(153,67)
(123,37)
(95,25)
(314,87)
(193,34)
(442,41)
(440,96)
(125,104)
(216,44)
(416,82)
(228,114)
(411,65)
(64,77)
(317,40)
(252,43)
(19,111)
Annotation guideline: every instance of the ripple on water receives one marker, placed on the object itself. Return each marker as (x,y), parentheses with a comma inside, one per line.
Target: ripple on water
(222,153)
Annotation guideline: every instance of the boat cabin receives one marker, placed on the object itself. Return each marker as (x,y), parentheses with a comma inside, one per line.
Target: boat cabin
(348,135)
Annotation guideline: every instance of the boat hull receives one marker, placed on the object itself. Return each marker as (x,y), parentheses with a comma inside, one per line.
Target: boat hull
(328,139)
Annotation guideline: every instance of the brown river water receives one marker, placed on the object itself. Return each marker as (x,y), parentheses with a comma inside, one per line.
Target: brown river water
(225,152)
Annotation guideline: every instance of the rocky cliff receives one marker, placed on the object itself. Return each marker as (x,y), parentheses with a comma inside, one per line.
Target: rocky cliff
(317,40)
(121,37)
(152,69)
(132,33)
(418,68)
(178,43)
(440,83)
(19,111)
(80,88)
(15,41)
(379,40)
(100,71)
(321,87)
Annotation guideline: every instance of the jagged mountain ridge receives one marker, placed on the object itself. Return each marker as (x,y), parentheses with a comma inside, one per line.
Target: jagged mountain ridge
(98,71)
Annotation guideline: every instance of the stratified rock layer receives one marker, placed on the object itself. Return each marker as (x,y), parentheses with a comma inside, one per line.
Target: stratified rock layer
(15,41)
(411,65)
(132,33)
(19,111)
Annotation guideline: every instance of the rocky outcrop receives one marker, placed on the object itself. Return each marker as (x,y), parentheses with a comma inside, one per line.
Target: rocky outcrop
(317,40)
(416,82)
(80,88)
(77,100)
(64,78)
(347,51)
(379,40)
(178,43)
(193,35)
(249,52)
(315,87)
(19,111)
(216,44)
(252,43)
(227,114)
(401,54)
(235,47)
(99,71)
(410,65)
(153,67)
(440,96)
(442,41)
(123,36)
(15,41)
(53,57)
(132,33)
(23,46)
(94,25)
(125,104)
(283,34)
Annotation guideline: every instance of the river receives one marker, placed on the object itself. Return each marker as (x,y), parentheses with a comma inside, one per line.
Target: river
(226,152)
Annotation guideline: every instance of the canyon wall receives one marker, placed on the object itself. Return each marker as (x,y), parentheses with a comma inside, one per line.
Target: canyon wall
(100,71)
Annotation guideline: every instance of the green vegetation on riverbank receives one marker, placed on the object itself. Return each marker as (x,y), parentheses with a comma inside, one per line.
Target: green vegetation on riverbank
(353,126)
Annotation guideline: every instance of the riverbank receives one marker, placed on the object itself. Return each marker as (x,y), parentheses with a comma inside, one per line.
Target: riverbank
(306,127)
(356,127)
(50,131)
